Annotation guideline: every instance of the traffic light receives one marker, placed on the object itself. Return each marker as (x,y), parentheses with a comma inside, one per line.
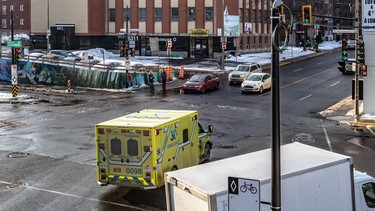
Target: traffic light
(17,55)
(361,52)
(364,70)
(122,48)
(342,66)
(132,53)
(344,50)
(306,14)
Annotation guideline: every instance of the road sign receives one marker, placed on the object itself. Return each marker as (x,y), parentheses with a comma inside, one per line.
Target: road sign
(169,43)
(127,64)
(368,12)
(243,194)
(224,45)
(14,74)
(17,43)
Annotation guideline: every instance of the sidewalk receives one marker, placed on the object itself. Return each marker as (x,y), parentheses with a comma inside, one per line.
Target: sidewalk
(343,112)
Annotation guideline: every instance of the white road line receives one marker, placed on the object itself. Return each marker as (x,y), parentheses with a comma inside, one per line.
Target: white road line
(76,196)
(334,84)
(299,69)
(327,138)
(304,98)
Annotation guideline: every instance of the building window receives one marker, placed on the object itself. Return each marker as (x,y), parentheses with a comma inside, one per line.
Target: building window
(174,14)
(22,8)
(127,14)
(4,10)
(191,14)
(4,23)
(209,13)
(112,15)
(22,22)
(142,14)
(11,8)
(158,14)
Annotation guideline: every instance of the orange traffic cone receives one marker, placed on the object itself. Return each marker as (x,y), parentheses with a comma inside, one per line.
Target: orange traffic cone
(182,72)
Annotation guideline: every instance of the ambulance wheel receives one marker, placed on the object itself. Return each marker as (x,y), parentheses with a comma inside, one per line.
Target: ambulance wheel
(174,168)
(207,151)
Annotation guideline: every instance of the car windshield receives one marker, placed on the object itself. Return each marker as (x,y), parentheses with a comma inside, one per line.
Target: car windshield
(197,78)
(254,78)
(242,68)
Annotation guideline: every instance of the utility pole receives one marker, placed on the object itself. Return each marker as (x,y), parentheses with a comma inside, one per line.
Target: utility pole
(48,29)
(126,33)
(12,35)
(356,77)
(223,38)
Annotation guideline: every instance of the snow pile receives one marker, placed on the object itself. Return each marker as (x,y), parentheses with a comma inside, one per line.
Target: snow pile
(5,39)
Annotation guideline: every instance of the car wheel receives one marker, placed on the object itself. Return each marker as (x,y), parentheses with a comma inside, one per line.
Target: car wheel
(203,90)
(217,86)
(207,151)
(230,83)
(261,90)
(242,92)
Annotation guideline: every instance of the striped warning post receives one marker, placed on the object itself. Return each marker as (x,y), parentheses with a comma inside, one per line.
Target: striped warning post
(14,90)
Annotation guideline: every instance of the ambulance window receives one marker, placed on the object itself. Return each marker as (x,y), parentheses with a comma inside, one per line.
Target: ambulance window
(185,134)
(132,147)
(369,193)
(116,146)
(201,130)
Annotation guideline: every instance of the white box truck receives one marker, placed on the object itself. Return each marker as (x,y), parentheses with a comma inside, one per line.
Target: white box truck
(312,179)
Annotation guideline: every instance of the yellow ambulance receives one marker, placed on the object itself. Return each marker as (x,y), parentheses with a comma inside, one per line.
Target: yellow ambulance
(136,149)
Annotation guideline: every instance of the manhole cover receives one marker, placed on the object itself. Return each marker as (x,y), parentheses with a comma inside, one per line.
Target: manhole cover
(17,155)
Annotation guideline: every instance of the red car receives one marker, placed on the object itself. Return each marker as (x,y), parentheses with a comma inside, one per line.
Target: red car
(201,83)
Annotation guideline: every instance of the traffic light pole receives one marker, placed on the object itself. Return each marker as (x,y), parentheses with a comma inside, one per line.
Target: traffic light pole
(356,77)
(126,34)
(275,145)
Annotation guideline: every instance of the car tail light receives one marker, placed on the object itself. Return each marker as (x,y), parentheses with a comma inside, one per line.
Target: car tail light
(146,133)
(148,174)
(148,180)
(102,170)
(101,130)
(103,176)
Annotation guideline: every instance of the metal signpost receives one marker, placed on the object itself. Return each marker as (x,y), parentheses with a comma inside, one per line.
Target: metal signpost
(243,194)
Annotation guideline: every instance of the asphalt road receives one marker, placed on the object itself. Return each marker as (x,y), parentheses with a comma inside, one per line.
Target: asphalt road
(47,156)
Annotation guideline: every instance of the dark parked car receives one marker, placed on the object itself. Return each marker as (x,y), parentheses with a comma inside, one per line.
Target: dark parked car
(201,83)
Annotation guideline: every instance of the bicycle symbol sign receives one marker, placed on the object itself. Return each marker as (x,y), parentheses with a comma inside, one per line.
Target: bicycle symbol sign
(243,194)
